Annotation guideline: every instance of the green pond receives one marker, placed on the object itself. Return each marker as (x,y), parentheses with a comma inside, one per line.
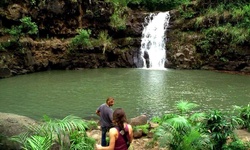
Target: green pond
(139,91)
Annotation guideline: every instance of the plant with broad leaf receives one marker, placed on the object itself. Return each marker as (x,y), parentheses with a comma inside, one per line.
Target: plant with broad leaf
(56,131)
(182,130)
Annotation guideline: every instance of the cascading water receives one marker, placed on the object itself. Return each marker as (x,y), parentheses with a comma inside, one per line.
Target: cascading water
(152,49)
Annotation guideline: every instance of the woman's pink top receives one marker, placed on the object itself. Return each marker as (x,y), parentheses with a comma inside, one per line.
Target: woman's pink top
(120,143)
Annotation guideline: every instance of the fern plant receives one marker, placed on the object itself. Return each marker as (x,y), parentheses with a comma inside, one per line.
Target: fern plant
(244,114)
(25,28)
(80,140)
(118,20)
(51,131)
(144,128)
(220,127)
(181,131)
(185,106)
(105,40)
(82,39)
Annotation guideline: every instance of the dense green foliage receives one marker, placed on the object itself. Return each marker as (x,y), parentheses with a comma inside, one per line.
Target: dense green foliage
(26,27)
(119,17)
(156,5)
(186,128)
(192,130)
(82,39)
(244,113)
(144,128)
(105,40)
(237,144)
(222,28)
(55,131)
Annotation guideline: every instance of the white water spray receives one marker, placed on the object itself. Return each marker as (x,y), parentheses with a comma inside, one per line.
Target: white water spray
(153,40)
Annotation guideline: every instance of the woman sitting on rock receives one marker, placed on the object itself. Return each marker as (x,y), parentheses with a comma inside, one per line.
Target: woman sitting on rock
(121,135)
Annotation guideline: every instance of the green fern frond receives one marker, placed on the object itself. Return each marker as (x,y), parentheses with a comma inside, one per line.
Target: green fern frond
(21,138)
(69,123)
(185,106)
(197,117)
(39,143)
(179,123)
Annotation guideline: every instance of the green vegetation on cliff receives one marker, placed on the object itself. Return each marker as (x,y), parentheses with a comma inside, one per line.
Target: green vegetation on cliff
(202,34)
(218,32)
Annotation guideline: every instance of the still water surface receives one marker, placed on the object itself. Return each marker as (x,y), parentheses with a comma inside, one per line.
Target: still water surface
(139,91)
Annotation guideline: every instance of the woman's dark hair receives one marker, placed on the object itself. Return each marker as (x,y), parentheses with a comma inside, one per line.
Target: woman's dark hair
(119,117)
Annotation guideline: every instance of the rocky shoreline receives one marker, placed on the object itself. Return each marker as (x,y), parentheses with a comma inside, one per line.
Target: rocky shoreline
(12,124)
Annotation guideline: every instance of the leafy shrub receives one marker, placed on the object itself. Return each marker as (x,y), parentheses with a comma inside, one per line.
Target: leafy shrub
(118,20)
(193,130)
(52,131)
(236,145)
(80,140)
(91,124)
(156,119)
(204,46)
(144,128)
(121,3)
(160,5)
(221,126)
(244,114)
(26,27)
(185,106)
(180,132)
(104,40)
(82,39)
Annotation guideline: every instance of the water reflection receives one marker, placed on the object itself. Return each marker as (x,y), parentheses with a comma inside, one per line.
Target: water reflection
(152,85)
(138,91)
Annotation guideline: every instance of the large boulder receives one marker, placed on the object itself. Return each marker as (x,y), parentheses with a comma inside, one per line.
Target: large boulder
(139,120)
(10,125)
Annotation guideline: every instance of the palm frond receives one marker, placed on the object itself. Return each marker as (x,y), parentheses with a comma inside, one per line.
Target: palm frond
(195,140)
(165,140)
(189,139)
(179,123)
(197,117)
(69,123)
(39,142)
(168,116)
(203,143)
(185,106)
(164,129)
(21,138)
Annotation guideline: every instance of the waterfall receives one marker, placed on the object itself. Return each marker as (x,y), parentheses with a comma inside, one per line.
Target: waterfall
(153,53)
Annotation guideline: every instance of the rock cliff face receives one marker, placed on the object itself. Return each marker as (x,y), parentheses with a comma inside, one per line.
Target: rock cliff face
(58,22)
(188,46)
